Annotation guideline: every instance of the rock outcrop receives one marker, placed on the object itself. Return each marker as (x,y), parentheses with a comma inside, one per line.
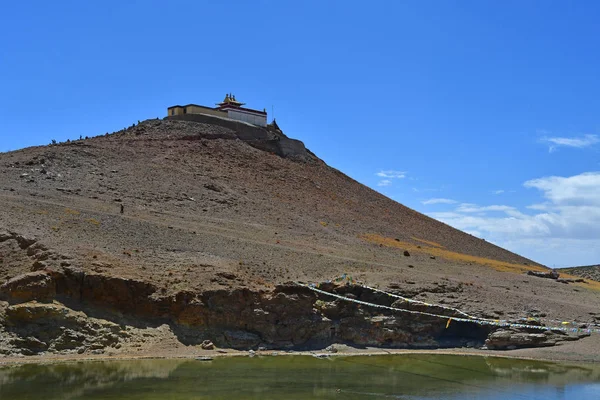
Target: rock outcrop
(47,311)
(34,328)
(288,316)
(510,339)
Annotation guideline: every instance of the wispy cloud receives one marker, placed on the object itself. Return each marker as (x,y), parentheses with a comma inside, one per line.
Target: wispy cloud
(392,174)
(574,142)
(384,182)
(439,201)
(473,208)
(498,191)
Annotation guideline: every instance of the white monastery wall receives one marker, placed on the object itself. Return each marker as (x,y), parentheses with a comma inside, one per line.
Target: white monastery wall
(240,115)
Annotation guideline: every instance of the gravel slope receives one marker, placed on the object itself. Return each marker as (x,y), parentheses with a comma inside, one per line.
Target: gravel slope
(204,210)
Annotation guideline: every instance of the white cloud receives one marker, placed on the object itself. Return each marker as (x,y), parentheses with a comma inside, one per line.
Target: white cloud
(473,208)
(576,142)
(575,190)
(498,191)
(392,174)
(567,221)
(384,182)
(439,201)
(540,206)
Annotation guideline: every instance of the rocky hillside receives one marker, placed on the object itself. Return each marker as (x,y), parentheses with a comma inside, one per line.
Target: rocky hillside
(587,272)
(183,231)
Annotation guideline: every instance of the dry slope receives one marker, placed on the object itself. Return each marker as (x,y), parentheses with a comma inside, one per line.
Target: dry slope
(213,230)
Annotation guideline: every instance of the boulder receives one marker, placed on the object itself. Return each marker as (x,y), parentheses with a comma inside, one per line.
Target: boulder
(550,275)
(207,345)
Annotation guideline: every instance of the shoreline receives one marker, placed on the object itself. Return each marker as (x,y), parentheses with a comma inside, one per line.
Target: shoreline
(528,354)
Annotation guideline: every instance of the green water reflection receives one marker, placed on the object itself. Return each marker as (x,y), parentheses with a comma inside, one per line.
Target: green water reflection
(286,377)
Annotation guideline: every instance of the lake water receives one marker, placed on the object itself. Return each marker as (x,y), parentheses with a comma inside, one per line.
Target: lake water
(302,377)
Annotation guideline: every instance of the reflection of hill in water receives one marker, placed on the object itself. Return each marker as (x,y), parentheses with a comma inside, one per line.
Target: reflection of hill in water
(435,376)
(73,380)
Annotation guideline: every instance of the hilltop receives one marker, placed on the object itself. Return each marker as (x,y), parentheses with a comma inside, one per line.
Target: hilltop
(218,223)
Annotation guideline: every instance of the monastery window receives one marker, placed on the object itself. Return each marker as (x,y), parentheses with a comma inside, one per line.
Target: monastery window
(185,110)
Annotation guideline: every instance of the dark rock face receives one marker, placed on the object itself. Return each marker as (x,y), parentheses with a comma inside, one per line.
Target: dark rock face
(288,316)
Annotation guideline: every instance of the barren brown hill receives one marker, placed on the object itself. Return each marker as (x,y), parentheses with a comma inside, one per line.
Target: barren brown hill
(215,229)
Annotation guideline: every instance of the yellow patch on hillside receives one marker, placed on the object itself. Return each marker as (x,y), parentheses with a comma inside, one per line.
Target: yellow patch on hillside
(71,212)
(501,266)
(434,244)
(590,284)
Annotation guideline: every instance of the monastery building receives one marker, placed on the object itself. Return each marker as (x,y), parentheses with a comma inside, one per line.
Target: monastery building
(228,108)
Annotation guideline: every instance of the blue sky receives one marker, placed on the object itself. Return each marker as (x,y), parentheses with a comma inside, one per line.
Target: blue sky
(482,114)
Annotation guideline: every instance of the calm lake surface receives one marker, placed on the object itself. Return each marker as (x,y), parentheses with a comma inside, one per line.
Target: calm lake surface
(298,377)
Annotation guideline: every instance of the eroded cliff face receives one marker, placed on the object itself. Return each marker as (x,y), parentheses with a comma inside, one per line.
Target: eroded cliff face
(60,308)
(52,311)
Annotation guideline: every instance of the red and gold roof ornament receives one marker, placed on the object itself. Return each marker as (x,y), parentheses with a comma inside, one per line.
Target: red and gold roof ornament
(230,101)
